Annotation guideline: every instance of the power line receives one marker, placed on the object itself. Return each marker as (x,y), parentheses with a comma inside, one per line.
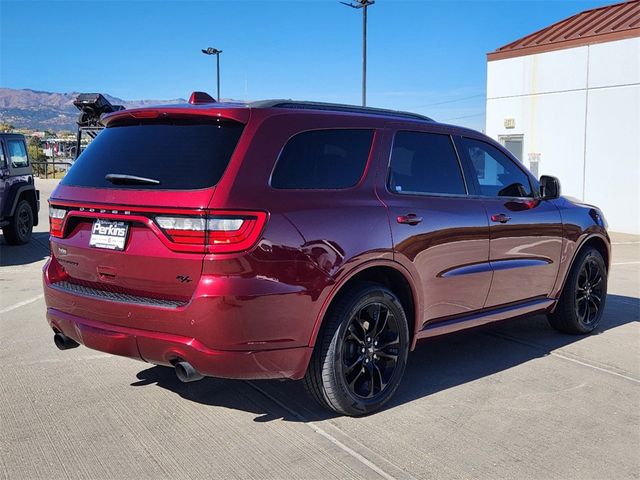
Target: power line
(449,101)
(464,116)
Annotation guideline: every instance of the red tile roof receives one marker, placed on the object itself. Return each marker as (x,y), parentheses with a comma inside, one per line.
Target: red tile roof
(604,24)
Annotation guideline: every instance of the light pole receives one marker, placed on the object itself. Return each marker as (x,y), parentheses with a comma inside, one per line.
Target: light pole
(216,52)
(363,4)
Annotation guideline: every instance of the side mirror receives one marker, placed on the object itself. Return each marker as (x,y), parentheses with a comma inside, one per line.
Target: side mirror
(549,187)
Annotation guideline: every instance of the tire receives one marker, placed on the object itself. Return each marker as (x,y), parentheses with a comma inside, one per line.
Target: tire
(20,227)
(581,304)
(361,351)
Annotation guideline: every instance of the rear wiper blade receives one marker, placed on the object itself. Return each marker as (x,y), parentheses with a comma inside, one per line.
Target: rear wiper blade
(122,179)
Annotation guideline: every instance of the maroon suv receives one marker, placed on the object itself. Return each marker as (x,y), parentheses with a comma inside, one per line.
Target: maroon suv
(309,241)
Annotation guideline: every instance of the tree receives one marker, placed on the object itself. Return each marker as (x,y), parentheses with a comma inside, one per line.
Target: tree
(6,127)
(36,155)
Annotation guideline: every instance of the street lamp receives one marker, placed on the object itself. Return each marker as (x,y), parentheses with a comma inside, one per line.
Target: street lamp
(216,52)
(363,4)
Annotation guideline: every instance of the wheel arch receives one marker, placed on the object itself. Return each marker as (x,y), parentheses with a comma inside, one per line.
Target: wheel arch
(21,191)
(387,273)
(595,240)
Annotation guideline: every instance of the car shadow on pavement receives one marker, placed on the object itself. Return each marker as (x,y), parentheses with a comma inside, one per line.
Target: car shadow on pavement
(34,251)
(436,365)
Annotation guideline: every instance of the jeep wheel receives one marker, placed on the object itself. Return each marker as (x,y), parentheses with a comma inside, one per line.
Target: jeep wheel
(361,352)
(18,232)
(581,304)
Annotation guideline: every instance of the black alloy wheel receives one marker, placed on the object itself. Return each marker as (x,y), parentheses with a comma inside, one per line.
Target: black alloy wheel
(589,292)
(581,304)
(370,350)
(20,227)
(361,351)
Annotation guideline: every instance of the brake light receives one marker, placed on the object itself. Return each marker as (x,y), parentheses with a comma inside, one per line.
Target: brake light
(226,232)
(56,221)
(189,230)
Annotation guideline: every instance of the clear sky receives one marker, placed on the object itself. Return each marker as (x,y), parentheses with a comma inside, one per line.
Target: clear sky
(425,56)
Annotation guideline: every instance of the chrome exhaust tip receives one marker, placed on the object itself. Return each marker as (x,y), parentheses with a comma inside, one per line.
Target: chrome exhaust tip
(186,373)
(63,342)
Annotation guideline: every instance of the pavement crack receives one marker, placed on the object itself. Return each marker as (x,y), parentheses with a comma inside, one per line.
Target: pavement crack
(564,356)
(319,430)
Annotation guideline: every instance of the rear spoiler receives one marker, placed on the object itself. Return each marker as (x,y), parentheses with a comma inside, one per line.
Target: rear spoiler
(229,111)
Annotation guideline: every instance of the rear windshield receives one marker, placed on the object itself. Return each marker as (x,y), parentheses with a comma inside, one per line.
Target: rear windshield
(177,155)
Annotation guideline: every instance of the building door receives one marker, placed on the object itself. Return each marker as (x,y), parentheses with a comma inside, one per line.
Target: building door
(513,143)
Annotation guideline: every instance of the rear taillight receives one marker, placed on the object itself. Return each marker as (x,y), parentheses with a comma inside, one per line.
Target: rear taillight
(190,230)
(56,221)
(226,232)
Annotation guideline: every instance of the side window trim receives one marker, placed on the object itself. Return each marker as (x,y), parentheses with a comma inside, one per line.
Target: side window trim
(470,171)
(463,173)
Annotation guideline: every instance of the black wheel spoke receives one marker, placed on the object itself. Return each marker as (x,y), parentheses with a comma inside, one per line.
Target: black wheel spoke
(593,273)
(388,356)
(582,280)
(581,308)
(379,378)
(352,334)
(356,377)
(363,324)
(349,369)
(381,321)
(394,343)
(371,381)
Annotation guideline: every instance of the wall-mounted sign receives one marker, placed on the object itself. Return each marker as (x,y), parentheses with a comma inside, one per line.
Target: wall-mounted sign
(509,123)
(534,163)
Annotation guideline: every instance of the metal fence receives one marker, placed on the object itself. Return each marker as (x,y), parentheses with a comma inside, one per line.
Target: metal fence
(44,172)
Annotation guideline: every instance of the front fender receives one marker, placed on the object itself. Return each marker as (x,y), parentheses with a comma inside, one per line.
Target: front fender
(580,226)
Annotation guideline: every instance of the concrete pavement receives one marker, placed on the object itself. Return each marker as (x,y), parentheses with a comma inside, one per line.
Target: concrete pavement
(515,400)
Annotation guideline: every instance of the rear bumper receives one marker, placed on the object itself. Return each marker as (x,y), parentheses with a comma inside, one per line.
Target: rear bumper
(165,349)
(232,327)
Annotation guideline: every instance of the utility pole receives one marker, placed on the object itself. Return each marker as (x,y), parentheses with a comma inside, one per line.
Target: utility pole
(216,52)
(363,4)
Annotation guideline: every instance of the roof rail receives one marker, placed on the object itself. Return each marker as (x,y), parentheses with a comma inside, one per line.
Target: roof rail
(337,107)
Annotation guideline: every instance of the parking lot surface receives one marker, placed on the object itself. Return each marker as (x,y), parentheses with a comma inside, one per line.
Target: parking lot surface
(512,400)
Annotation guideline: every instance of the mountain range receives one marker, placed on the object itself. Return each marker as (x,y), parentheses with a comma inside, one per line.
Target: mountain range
(37,110)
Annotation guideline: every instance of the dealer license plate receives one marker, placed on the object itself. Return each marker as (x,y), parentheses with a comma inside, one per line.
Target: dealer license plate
(108,234)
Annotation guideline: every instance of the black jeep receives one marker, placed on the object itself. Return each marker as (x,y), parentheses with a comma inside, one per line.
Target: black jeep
(19,199)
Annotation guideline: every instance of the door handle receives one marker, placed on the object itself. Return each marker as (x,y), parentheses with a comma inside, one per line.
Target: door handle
(500,217)
(409,219)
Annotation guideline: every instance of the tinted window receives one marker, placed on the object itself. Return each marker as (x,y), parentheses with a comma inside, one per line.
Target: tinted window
(17,153)
(497,174)
(425,163)
(322,159)
(178,155)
